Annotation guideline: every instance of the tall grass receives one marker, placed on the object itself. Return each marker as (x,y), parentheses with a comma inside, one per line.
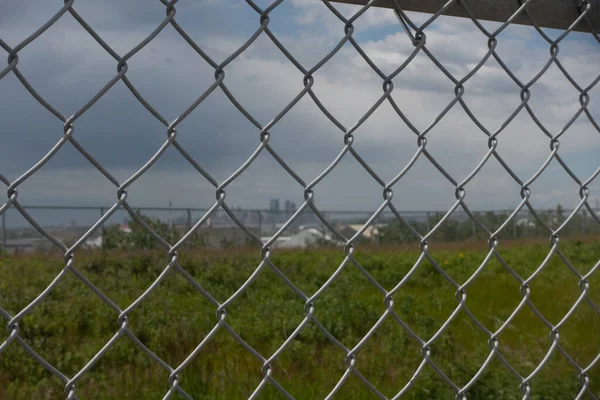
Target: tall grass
(72,324)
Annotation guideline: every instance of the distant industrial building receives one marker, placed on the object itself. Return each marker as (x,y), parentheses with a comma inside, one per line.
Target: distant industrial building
(290,208)
(274,205)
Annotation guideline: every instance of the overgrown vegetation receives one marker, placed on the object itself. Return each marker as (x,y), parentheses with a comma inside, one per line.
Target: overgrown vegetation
(392,233)
(518,227)
(72,324)
(141,239)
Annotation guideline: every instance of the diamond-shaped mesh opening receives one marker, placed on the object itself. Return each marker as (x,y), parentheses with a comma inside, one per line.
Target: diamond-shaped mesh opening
(340,182)
(557,377)
(169,54)
(425,299)
(95,132)
(543,284)
(310,356)
(443,144)
(122,366)
(544,95)
(389,358)
(497,372)
(387,54)
(422,177)
(24,151)
(261,66)
(174,333)
(493,294)
(365,306)
(410,84)
(381,136)
(376,260)
(266,313)
(279,185)
(292,136)
(493,185)
(331,89)
(311,270)
(524,341)
(222,368)
(59,51)
(462,339)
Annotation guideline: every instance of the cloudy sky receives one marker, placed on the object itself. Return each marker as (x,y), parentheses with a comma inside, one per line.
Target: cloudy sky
(67,67)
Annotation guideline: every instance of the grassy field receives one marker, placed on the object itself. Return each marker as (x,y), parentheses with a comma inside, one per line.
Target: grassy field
(72,324)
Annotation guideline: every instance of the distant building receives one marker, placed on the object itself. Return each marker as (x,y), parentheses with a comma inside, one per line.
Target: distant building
(94,243)
(290,208)
(525,223)
(349,230)
(274,205)
(305,237)
(125,228)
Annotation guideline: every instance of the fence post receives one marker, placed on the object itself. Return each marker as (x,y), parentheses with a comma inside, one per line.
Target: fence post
(428,222)
(514,224)
(4,233)
(102,232)
(260,224)
(583,216)
(189,219)
(474,230)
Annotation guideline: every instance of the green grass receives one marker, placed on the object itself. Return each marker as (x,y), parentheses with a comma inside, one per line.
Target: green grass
(72,324)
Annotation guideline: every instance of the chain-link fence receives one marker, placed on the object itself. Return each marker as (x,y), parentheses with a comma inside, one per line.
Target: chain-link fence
(417,35)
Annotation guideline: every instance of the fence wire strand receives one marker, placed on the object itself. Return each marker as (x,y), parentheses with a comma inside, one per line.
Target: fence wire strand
(417,35)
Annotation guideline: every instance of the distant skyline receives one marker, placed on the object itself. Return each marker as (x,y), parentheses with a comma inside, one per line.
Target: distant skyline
(66,66)
(87,215)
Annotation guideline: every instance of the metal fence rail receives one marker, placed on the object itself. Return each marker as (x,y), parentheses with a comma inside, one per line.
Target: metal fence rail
(417,35)
(558,14)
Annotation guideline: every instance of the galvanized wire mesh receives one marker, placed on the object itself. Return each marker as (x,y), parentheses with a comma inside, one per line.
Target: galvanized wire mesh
(417,35)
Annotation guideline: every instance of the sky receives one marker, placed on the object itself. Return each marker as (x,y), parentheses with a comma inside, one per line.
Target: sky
(67,67)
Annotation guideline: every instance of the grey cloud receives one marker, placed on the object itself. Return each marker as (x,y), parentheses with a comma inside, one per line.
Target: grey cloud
(123,135)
